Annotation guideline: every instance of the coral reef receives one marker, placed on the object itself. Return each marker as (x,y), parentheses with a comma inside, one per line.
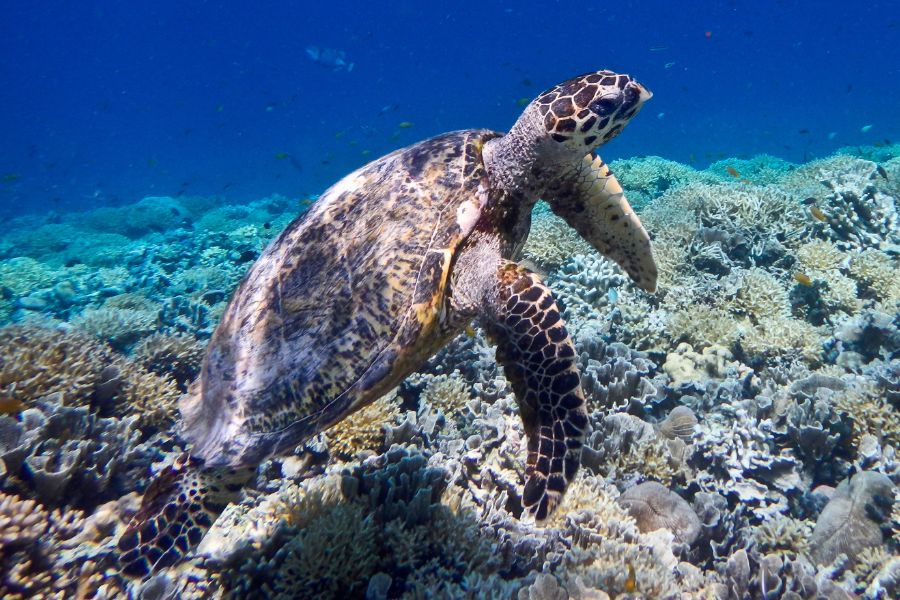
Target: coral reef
(743,419)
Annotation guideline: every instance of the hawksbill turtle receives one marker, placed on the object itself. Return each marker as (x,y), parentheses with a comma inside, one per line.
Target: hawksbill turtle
(387,266)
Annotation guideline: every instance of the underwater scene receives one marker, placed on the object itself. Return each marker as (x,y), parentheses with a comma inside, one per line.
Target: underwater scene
(531,300)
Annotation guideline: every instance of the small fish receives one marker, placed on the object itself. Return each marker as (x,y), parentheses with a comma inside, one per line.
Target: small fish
(470,331)
(405,124)
(527,82)
(669,65)
(336,60)
(803,279)
(339,135)
(660,115)
(10,177)
(832,135)
(817,214)
(523,101)
(658,48)
(733,172)
(866,128)
(810,200)
(282,155)
(631,580)
(881,171)
(267,225)
(386,109)
(366,152)
(11,406)
(803,132)
(307,201)
(613,295)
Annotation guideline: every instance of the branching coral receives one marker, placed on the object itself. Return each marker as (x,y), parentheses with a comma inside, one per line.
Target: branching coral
(782,534)
(36,361)
(760,295)
(878,272)
(177,356)
(119,327)
(447,393)
(364,429)
(552,242)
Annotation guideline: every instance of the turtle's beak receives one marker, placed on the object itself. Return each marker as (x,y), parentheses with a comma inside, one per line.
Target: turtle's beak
(644,93)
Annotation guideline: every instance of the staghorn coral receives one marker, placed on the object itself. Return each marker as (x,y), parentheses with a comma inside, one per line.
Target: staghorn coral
(821,255)
(647,177)
(177,356)
(447,393)
(119,327)
(22,521)
(782,535)
(878,273)
(760,295)
(858,214)
(552,242)
(364,429)
(22,275)
(705,326)
(37,361)
(334,554)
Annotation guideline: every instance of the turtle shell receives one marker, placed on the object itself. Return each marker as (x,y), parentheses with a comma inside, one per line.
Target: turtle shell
(344,304)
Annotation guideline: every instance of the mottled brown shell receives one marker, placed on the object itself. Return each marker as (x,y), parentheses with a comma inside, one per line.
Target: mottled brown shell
(343,305)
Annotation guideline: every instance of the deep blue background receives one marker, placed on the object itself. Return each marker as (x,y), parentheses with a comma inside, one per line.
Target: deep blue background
(106,102)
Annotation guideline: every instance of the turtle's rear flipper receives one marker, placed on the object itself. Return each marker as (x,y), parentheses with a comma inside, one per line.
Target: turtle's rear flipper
(539,360)
(592,202)
(179,506)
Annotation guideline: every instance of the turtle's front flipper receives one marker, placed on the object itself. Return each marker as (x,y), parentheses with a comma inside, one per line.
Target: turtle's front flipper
(539,360)
(179,506)
(592,202)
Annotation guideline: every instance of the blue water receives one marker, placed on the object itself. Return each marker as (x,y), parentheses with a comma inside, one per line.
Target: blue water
(104,103)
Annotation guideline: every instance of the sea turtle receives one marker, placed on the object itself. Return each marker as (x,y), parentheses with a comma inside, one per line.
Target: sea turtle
(387,266)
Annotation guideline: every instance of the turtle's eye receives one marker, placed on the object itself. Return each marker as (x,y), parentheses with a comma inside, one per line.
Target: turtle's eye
(606,106)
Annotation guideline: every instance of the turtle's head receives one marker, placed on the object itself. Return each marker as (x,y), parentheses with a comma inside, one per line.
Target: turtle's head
(587,111)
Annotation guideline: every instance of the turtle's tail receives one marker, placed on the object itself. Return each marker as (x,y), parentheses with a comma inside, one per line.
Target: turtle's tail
(179,506)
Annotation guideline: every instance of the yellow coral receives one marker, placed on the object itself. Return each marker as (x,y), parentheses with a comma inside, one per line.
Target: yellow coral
(552,242)
(870,413)
(775,335)
(878,272)
(364,429)
(23,275)
(152,397)
(761,295)
(820,255)
(705,326)
(783,535)
(37,361)
(177,356)
(447,393)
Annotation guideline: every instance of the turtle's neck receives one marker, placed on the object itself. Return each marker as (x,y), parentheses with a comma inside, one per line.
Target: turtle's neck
(525,161)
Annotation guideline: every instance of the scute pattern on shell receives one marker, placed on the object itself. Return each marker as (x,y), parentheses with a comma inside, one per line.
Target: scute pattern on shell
(378,245)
